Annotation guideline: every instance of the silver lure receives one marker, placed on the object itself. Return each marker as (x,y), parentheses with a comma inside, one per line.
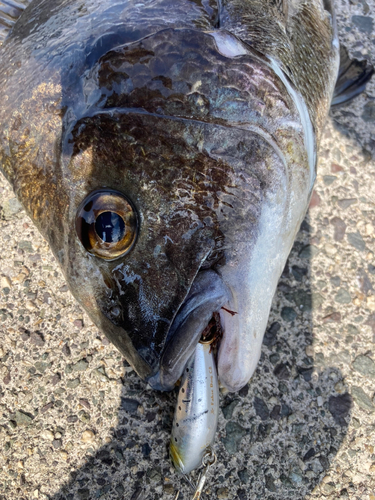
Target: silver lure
(197,410)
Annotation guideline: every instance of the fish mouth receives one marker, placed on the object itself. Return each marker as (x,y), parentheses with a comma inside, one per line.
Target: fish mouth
(207,295)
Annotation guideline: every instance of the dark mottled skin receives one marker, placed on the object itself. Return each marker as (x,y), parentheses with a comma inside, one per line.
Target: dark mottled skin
(288,33)
(139,99)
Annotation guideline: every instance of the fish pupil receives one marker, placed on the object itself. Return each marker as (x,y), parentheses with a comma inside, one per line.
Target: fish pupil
(110,227)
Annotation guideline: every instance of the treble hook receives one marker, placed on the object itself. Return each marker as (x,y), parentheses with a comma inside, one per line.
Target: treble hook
(208,460)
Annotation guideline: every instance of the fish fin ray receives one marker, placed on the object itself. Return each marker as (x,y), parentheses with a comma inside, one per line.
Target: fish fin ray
(352,79)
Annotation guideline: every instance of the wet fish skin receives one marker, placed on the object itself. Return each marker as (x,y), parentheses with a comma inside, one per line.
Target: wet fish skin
(208,120)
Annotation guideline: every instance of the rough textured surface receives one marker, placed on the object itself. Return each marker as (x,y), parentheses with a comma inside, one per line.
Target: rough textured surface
(76,423)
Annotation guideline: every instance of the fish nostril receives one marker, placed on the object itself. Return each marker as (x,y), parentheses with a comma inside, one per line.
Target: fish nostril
(115,312)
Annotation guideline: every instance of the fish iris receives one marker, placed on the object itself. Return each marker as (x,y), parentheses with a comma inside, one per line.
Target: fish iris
(107,224)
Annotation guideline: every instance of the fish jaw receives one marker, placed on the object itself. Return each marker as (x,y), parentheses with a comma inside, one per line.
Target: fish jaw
(252,278)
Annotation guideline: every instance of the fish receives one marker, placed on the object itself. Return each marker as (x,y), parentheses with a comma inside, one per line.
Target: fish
(167,152)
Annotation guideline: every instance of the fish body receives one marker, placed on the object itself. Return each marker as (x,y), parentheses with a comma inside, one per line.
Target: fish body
(197,411)
(167,152)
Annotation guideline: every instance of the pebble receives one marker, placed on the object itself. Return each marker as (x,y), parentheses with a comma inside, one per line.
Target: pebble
(362,399)
(129,405)
(308,252)
(80,366)
(340,407)
(368,113)
(270,484)
(120,489)
(295,478)
(26,246)
(356,240)
(42,366)
(339,228)
(282,371)
(329,179)
(11,208)
(100,374)
(270,336)
(288,314)
(85,403)
(78,323)
(72,384)
(244,476)
(66,350)
(343,296)
(370,302)
(154,475)
(364,282)
(234,433)
(365,366)
(275,413)
(56,443)
(222,493)
(328,488)
(146,450)
(330,249)
(344,204)
(88,436)
(315,200)
(168,489)
(261,408)
(46,434)
(37,339)
(23,418)
(242,494)
(228,409)
(6,282)
(363,23)
(84,417)
(340,387)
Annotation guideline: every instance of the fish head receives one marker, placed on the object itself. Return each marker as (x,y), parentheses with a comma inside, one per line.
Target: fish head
(174,189)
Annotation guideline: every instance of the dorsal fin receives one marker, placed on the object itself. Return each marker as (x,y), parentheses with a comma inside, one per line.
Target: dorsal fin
(352,79)
(10,11)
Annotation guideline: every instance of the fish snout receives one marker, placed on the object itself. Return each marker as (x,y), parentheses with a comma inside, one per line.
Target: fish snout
(207,295)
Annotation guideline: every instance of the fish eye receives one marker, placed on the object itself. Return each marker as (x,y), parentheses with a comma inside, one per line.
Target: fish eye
(106,224)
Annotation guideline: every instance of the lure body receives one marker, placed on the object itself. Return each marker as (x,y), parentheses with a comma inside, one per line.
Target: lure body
(197,410)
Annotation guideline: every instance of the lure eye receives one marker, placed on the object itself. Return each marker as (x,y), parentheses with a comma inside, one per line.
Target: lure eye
(106,224)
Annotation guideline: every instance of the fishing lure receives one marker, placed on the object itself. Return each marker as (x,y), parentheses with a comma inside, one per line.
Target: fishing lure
(197,410)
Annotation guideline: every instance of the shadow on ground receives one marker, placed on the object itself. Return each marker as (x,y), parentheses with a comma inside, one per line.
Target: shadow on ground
(276,437)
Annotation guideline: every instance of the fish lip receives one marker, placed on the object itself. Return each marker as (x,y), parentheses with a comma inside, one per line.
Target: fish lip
(207,294)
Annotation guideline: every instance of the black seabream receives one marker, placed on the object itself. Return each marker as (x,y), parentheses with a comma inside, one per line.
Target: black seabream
(167,152)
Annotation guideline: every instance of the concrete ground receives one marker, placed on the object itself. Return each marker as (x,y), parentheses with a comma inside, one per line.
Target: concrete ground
(77,423)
